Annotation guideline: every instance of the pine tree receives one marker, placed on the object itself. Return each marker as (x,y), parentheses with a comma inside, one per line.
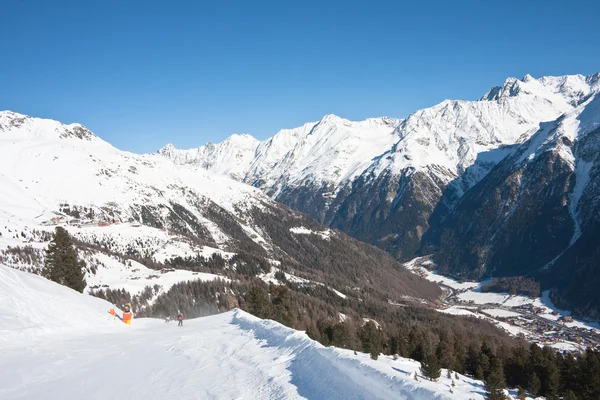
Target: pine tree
(495,382)
(570,395)
(372,340)
(62,264)
(258,301)
(534,384)
(430,367)
(551,382)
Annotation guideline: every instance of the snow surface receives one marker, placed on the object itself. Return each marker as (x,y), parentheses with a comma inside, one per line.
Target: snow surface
(58,344)
(498,312)
(472,298)
(300,230)
(270,278)
(43,166)
(134,278)
(331,150)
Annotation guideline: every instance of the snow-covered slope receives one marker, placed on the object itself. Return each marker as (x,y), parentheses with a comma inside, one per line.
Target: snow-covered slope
(97,357)
(332,150)
(231,157)
(31,306)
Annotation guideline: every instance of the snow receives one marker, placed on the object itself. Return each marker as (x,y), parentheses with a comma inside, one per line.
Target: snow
(135,278)
(332,150)
(417,266)
(231,157)
(457,311)
(93,173)
(582,178)
(467,299)
(300,230)
(57,343)
(45,164)
(342,295)
(31,306)
(497,312)
(269,277)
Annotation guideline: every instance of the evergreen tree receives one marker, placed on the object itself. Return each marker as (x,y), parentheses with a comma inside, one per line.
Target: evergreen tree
(258,302)
(521,395)
(372,340)
(534,384)
(430,367)
(341,335)
(62,264)
(495,383)
(551,381)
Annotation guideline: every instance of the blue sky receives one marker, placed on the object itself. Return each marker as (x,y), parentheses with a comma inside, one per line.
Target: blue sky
(143,73)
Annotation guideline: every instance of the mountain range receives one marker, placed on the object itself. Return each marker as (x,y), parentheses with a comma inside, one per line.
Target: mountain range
(503,186)
(131,211)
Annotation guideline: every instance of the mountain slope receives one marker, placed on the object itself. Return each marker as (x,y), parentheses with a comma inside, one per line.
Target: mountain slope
(97,357)
(535,213)
(380,180)
(126,208)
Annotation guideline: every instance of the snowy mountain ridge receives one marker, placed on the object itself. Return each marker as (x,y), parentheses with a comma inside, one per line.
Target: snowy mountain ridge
(334,151)
(298,154)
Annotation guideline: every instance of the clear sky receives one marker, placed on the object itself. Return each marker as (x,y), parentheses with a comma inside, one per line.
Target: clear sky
(143,73)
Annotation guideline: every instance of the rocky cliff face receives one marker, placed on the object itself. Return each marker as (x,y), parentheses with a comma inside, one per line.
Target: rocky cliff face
(535,213)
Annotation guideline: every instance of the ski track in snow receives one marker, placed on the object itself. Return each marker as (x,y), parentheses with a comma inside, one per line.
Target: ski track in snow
(57,343)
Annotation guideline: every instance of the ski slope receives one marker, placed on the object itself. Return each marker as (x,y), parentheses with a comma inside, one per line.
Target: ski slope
(56,343)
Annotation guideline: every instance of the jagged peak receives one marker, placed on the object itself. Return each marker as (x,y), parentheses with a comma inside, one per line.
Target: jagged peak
(331,118)
(527,78)
(242,137)
(572,88)
(43,127)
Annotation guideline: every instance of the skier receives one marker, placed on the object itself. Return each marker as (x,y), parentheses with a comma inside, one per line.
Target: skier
(180,318)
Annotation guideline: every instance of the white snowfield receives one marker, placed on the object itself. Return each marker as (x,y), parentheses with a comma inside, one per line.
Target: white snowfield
(58,344)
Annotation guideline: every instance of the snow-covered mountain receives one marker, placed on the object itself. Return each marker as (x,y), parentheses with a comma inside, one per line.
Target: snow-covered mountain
(536,213)
(332,150)
(379,180)
(57,343)
(136,211)
(231,157)
(399,180)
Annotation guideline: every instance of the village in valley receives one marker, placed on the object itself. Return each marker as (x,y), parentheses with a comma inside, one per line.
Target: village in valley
(536,320)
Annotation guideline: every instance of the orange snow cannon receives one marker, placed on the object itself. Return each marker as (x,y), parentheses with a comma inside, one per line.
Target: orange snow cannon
(127,317)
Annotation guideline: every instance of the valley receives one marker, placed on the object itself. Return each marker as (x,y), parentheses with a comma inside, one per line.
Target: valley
(535,319)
